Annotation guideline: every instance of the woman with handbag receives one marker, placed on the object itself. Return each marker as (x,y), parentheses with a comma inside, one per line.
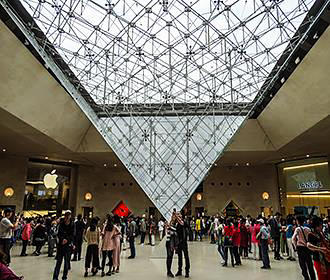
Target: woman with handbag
(319,246)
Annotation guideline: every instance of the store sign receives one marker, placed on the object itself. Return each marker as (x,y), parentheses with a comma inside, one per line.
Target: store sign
(310,185)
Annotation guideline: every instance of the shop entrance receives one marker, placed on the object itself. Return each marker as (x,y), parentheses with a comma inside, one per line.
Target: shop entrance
(88,212)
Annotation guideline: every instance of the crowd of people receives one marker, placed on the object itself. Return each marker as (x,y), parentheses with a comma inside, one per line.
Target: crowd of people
(305,239)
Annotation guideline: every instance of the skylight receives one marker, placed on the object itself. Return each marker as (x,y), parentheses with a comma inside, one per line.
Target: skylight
(170,52)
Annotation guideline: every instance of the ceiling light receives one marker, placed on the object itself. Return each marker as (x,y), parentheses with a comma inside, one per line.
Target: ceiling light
(247,164)
(305,166)
(70,160)
(4,150)
(46,157)
(307,155)
(115,165)
(105,165)
(236,164)
(35,182)
(319,192)
(306,196)
(297,60)
(283,159)
(283,80)
(215,164)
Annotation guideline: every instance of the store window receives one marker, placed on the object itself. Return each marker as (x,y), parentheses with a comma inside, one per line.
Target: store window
(305,187)
(47,188)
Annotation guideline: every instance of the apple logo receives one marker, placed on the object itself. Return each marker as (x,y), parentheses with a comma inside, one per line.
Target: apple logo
(50,180)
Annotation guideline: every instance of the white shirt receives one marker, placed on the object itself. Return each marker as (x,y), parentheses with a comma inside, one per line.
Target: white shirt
(160,226)
(5,228)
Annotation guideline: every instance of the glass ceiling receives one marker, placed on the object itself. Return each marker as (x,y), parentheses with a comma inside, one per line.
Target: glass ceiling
(170,52)
(133,55)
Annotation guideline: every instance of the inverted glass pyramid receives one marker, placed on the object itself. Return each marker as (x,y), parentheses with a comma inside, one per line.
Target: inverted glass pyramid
(170,156)
(169,82)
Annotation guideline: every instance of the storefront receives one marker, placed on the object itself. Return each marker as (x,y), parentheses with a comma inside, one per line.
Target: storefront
(47,188)
(305,187)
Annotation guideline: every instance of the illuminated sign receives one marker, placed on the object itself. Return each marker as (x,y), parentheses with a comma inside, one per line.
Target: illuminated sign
(310,185)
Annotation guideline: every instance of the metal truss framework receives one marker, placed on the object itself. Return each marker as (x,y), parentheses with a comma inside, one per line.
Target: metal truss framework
(174,79)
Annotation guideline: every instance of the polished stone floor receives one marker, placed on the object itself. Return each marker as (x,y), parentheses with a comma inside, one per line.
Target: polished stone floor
(149,264)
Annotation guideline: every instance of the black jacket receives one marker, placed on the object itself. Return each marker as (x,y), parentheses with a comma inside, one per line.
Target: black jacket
(65,232)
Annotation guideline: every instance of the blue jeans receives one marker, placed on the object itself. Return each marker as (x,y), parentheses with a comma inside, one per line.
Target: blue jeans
(62,255)
(221,251)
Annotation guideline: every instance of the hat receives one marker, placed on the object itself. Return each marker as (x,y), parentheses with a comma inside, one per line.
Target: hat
(68,212)
(261,221)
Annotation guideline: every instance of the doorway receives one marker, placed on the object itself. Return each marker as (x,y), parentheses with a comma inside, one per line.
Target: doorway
(88,212)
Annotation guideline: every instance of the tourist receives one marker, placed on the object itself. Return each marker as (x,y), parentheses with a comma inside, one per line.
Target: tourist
(79,230)
(171,244)
(92,237)
(318,244)
(244,242)
(161,229)
(212,231)
(182,229)
(275,226)
(131,236)
(152,231)
(289,234)
(236,242)
(107,245)
(26,236)
(143,229)
(299,240)
(228,231)
(124,233)
(116,249)
(39,236)
(255,243)
(65,245)
(52,235)
(220,239)
(198,228)
(192,235)
(264,236)
(6,232)
(283,241)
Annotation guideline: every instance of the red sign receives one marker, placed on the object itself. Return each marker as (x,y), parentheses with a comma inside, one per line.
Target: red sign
(121,210)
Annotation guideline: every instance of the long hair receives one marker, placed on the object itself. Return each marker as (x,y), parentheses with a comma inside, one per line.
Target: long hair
(109,226)
(93,224)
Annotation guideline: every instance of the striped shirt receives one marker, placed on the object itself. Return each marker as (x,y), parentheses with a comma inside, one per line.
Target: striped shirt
(171,230)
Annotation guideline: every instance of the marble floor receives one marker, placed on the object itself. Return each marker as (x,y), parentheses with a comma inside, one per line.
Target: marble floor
(150,264)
